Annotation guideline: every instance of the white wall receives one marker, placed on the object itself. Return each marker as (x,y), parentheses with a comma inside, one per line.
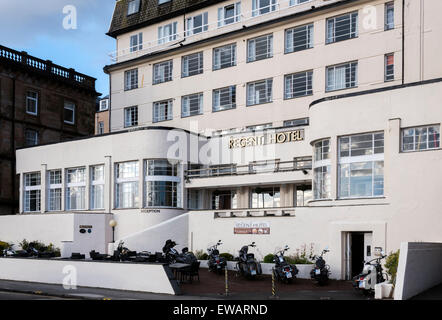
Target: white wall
(63,230)
(153,239)
(47,228)
(419,269)
(120,276)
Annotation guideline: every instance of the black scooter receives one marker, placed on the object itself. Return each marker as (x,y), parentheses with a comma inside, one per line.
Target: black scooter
(321,271)
(247,265)
(284,271)
(216,263)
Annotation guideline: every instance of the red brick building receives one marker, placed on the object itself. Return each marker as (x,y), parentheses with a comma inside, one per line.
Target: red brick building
(40,103)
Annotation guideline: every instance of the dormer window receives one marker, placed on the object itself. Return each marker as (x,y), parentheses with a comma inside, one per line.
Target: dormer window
(133,7)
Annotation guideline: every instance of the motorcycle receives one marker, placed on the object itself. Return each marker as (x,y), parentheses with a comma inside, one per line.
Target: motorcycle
(247,265)
(321,271)
(284,271)
(371,275)
(173,256)
(216,263)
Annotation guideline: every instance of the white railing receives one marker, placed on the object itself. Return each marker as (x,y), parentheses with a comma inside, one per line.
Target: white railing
(249,18)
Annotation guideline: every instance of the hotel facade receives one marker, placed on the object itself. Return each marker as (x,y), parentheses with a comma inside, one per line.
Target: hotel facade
(307,123)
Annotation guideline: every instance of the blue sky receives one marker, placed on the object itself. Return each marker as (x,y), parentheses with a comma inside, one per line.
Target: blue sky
(36,26)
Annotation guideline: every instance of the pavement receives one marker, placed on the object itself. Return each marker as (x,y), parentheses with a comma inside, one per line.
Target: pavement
(18,290)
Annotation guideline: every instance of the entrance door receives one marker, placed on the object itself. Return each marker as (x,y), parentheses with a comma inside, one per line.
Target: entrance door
(358,250)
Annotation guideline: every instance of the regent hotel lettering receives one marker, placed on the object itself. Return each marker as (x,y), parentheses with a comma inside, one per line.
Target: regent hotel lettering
(270,138)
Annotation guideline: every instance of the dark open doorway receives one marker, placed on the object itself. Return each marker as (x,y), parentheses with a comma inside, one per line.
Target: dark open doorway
(357,253)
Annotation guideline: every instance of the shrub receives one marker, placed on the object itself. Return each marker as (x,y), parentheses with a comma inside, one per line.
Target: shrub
(391,264)
(201,255)
(40,246)
(268,258)
(3,246)
(227,256)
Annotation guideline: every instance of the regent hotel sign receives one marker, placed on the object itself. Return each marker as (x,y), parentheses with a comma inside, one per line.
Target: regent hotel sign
(269,138)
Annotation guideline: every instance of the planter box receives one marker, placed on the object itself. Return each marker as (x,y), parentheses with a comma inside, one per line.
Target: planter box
(304,269)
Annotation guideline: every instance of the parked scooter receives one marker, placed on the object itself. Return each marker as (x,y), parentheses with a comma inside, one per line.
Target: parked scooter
(372,274)
(321,271)
(10,252)
(216,263)
(284,271)
(247,265)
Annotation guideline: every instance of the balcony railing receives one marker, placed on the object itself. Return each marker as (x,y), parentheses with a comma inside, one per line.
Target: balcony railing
(303,163)
(248,18)
(46,66)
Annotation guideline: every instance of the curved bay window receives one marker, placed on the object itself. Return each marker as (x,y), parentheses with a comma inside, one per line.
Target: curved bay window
(162,183)
(268,197)
(126,185)
(321,170)
(361,165)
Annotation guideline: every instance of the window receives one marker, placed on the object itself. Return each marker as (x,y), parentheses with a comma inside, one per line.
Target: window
(262,7)
(76,189)
(104,104)
(421,138)
(69,112)
(298,85)
(32,192)
(361,165)
(133,7)
(299,38)
(296,122)
(389,16)
(197,24)
(126,185)
(259,92)
(162,183)
(136,42)
(192,64)
(296,2)
(224,57)
(343,27)
(32,102)
(167,33)
(162,111)
(224,199)
(193,199)
(163,1)
(162,72)
(321,170)
(266,197)
(303,195)
(130,117)
(260,48)
(100,127)
(31,137)
(224,98)
(55,187)
(97,187)
(259,127)
(229,14)
(192,105)
(131,79)
(389,67)
(342,76)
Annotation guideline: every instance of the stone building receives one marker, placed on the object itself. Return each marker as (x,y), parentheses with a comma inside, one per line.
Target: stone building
(40,103)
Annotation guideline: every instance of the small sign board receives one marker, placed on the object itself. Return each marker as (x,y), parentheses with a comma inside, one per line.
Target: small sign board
(252,227)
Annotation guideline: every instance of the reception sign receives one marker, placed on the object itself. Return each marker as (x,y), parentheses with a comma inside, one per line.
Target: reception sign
(251,227)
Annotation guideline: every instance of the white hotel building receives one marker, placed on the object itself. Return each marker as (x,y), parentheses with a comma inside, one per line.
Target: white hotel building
(318,119)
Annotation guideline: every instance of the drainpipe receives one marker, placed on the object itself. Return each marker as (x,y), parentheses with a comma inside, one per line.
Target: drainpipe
(13,145)
(403,41)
